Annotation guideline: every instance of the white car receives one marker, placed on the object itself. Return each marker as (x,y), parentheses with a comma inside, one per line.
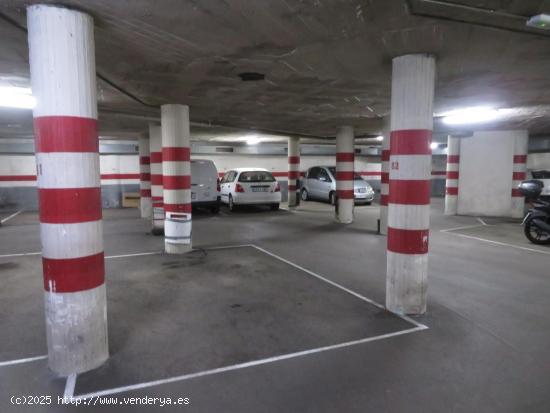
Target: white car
(205,190)
(250,186)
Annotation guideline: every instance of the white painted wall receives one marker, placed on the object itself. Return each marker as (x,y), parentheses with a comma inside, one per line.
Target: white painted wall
(538,161)
(485,184)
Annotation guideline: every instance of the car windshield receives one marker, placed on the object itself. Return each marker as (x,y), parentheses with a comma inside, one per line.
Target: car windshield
(256,176)
(356,177)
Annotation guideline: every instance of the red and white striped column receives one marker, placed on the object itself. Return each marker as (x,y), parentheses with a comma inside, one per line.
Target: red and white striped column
(155,145)
(451,184)
(519,172)
(145,203)
(345,159)
(410,184)
(176,178)
(293,171)
(385,180)
(62,63)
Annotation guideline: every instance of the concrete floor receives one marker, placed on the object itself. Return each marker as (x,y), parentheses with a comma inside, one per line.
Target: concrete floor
(485,349)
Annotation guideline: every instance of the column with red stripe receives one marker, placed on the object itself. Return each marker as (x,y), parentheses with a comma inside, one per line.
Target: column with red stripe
(451,184)
(176,178)
(385,180)
(145,204)
(155,146)
(519,172)
(293,171)
(62,63)
(345,159)
(410,185)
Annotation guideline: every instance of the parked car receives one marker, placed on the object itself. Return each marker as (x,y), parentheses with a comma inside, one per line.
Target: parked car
(250,186)
(205,185)
(320,183)
(543,176)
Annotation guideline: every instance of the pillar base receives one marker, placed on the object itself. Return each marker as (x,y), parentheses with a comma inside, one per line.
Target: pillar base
(146,208)
(76,330)
(177,248)
(344,211)
(406,283)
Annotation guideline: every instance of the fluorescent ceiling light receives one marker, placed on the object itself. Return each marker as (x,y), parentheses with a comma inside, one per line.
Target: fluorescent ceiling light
(477,114)
(17,97)
(380,138)
(253,140)
(540,21)
(434,145)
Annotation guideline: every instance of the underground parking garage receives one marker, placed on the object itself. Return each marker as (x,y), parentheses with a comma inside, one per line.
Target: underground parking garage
(275,206)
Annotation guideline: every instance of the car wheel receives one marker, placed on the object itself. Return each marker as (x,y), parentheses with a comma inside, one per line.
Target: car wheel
(304,194)
(274,207)
(230,203)
(332,198)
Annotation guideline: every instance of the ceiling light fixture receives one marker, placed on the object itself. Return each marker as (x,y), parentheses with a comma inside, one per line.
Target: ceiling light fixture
(380,138)
(17,97)
(540,21)
(434,145)
(253,140)
(477,114)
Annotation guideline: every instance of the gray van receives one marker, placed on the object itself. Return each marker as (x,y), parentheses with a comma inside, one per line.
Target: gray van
(320,183)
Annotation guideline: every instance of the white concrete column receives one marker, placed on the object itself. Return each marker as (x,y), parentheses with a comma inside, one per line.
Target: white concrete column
(412,93)
(519,172)
(62,63)
(385,179)
(451,184)
(345,160)
(155,146)
(176,178)
(145,204)
(293,171)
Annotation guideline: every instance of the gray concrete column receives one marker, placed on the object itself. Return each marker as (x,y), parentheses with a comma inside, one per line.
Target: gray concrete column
(345,167)
(145,204)
(519,172)
(451,183)
(293,171)
(385,178)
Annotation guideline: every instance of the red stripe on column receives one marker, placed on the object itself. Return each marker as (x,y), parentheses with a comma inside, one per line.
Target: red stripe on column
(453,158)
(156,180)
(145,193)
(385,177)
(344,175)
(345,157)
(75,274)
(14,178)
(65,134)
(520,158)
(69,206)
(144,160)
(178,208)
(176,182)
(292,187)
(518,176)
(293,174)
(383,200)
(410,192)
(385,155)
(451,174)
(156,157)
(451,190)
(408,241)
(119,176)
(516,193)
(145,176)
(411,142)
(345,193)
(294,159)
(170,154)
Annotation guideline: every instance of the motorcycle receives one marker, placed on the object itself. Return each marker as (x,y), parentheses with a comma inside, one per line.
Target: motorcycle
(536,224)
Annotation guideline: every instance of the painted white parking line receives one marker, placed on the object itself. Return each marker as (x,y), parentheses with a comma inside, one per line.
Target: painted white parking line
(23,254)
(339,286)
(459,228)
(239,366)
(10,217)
(137,254)
(504,244)
(21,361)
(69,386)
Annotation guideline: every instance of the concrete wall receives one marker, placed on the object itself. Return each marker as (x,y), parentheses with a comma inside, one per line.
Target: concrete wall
(120,173)
(485,184)
(537,161)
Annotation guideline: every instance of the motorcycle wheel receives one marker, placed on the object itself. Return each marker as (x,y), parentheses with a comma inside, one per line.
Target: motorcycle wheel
(536,235)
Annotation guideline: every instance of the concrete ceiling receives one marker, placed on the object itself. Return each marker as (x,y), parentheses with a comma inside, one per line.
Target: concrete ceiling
(326,62)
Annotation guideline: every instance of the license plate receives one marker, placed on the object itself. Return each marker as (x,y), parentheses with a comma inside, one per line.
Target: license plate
(259,189)
(361,190)
(193,195)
